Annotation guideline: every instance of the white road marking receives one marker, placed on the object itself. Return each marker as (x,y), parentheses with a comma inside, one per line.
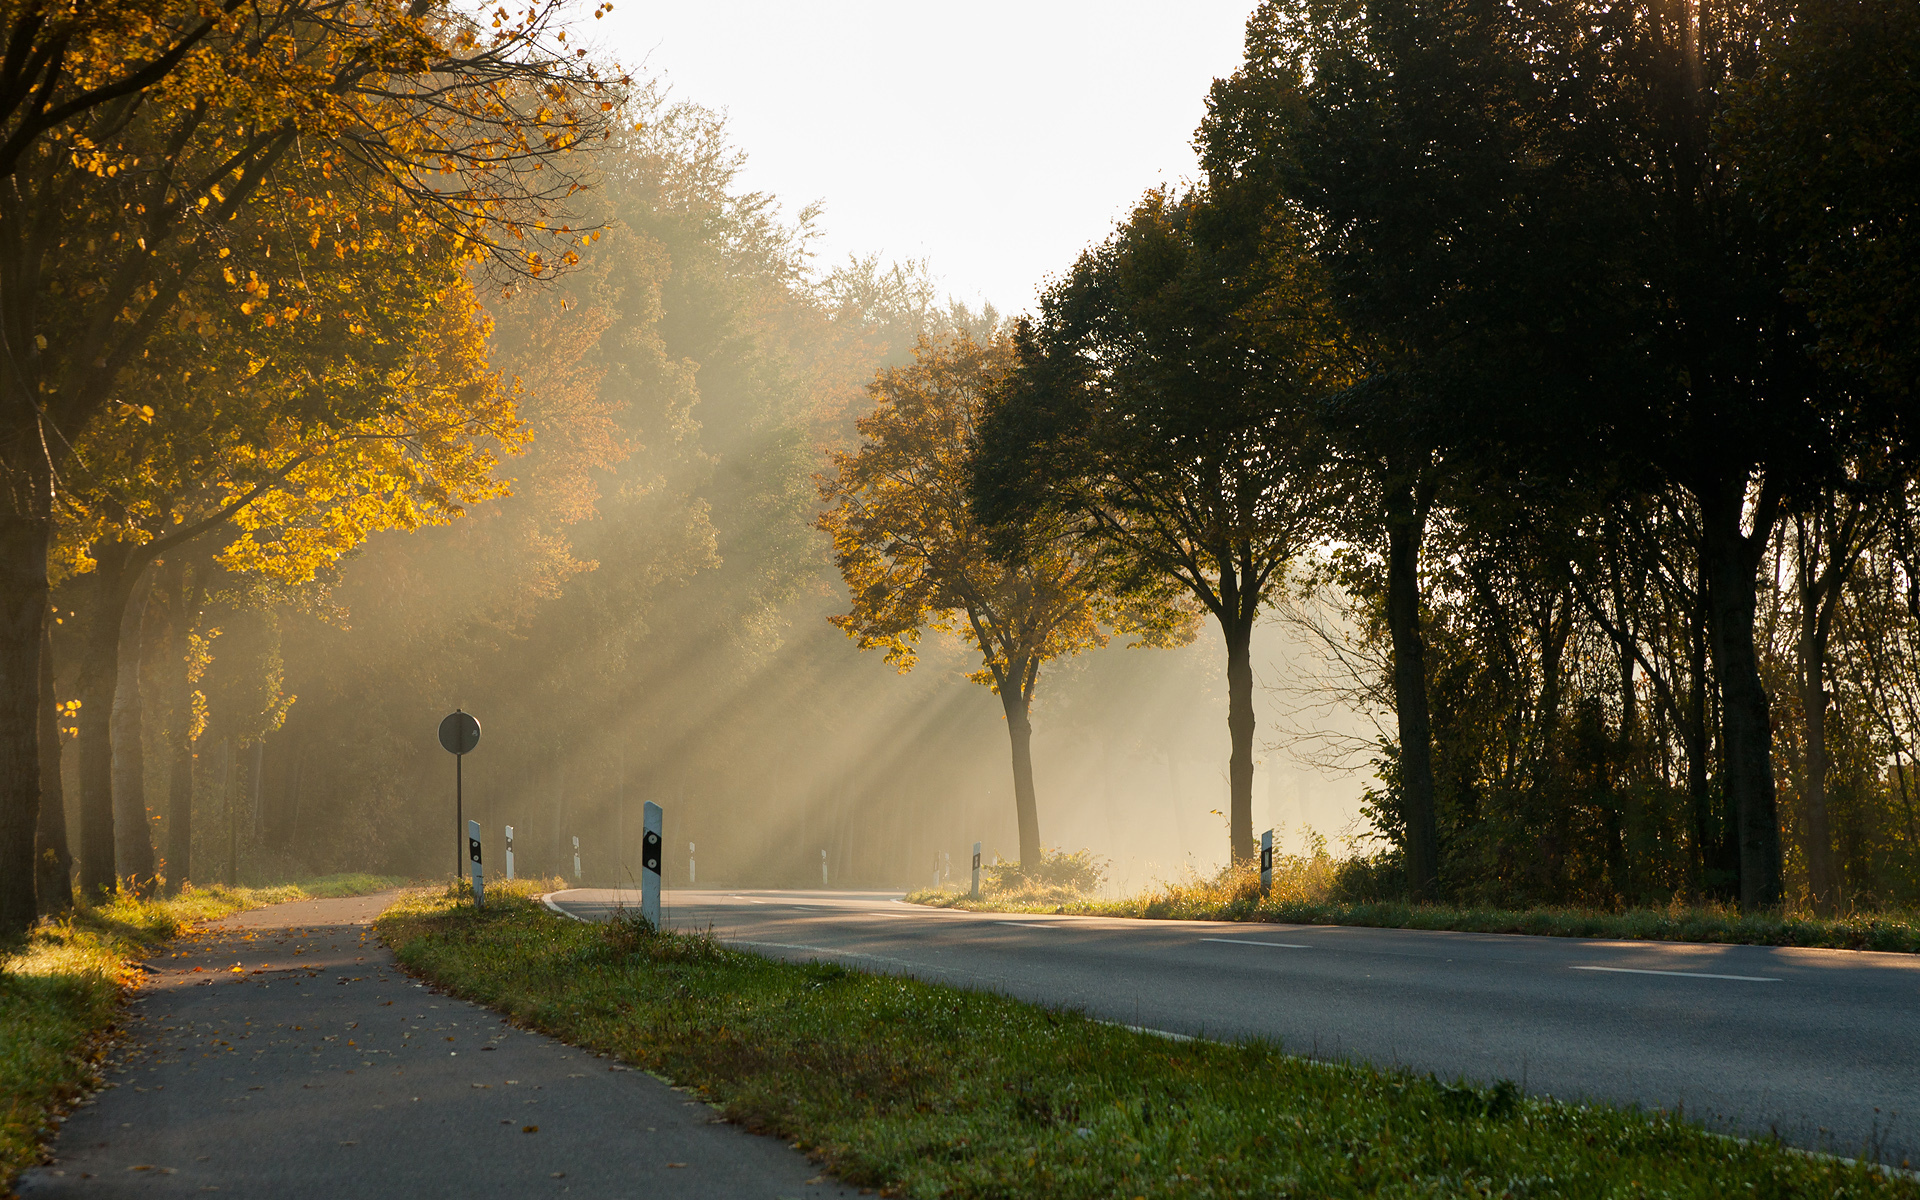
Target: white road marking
(1682,974)
(1159,1033)
(1244,942)
(1027,924)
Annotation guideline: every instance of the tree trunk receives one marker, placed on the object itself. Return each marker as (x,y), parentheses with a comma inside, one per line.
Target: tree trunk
(99,674)
(1639,848)
(233,824)
(1813,706)
(53,862)
(184,598)
(132,826)
(1824,562)
(1707,840)
(1732,558)
(1405,527)
(1026,806)
(23,615)
(1240,725)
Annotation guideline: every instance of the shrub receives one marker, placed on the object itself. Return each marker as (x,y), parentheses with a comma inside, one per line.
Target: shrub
(1058,876)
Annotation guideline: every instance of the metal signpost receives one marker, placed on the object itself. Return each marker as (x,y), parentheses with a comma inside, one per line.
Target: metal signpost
(975,893)
(473,857)
(650,848)
(459,733)
(1266,862)
(509,852)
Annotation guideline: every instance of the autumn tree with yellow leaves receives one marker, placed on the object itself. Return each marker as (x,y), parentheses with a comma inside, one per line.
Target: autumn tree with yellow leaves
(132,133)
(362,401)
(914,558)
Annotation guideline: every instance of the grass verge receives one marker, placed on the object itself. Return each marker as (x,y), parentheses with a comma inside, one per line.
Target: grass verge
(60,995)
(924,1090)
(1236,897)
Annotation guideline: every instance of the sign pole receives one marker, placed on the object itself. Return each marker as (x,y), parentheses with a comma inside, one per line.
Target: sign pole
(459,734)
(650,848)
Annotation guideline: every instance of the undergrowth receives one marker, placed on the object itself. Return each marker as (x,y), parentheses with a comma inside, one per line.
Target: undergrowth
(1305,893)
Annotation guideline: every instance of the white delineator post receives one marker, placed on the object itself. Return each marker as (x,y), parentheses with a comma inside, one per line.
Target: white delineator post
(576,860)
(509,852)
(823,868)
(690,873)
(473,858)
(650,847)
(1266,862)
(975,893)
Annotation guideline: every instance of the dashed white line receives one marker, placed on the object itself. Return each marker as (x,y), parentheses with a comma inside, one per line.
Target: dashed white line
(1682,974)
(1244,942)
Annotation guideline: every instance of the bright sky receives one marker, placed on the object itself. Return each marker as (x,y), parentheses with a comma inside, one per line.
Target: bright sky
(997,140)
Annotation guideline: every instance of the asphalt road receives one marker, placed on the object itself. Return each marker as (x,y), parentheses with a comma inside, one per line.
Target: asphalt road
(319,1070)
(1820,1046)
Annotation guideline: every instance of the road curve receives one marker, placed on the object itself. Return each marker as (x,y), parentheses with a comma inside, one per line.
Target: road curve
(1820,1046)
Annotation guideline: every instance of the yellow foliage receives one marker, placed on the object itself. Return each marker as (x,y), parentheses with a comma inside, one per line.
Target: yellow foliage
(371,406)
(911,552)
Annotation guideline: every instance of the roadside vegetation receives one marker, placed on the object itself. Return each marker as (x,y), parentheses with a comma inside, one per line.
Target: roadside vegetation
(923,1090)
(60,994)
(1321,890)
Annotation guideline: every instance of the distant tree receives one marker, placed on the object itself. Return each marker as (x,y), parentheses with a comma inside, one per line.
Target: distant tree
(1162,408)
(915,557)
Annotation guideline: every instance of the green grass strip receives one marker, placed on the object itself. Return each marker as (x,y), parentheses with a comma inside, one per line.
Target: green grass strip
(60,996)
(1236,899)
(932,1091)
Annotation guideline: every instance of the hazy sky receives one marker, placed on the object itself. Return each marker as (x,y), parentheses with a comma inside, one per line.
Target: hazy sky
(995,139)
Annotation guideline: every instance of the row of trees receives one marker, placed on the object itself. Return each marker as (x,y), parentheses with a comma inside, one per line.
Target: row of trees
(239,330)
(1570,348)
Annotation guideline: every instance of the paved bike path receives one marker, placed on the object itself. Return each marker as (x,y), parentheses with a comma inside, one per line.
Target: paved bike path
(318,1069)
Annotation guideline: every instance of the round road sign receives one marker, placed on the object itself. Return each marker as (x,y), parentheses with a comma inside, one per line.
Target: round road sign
(459,733)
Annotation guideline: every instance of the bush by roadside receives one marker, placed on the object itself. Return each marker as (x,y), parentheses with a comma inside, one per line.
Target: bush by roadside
(1306,892)
(925,1090)
(60,995)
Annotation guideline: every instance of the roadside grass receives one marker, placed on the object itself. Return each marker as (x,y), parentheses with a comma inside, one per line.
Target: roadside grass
(1300,897)
(925,1090)
(60,995)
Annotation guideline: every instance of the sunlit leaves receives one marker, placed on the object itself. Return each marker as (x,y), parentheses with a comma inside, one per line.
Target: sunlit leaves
(910,550)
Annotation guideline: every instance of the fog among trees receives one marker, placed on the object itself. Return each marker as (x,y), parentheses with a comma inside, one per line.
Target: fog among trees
(1497,470)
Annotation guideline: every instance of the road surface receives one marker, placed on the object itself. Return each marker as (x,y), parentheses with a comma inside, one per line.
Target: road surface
(320,1070)
(1821,1046)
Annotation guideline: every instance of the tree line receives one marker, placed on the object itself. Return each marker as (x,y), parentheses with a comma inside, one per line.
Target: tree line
(1570,349)
(241,252)
(1564,352)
